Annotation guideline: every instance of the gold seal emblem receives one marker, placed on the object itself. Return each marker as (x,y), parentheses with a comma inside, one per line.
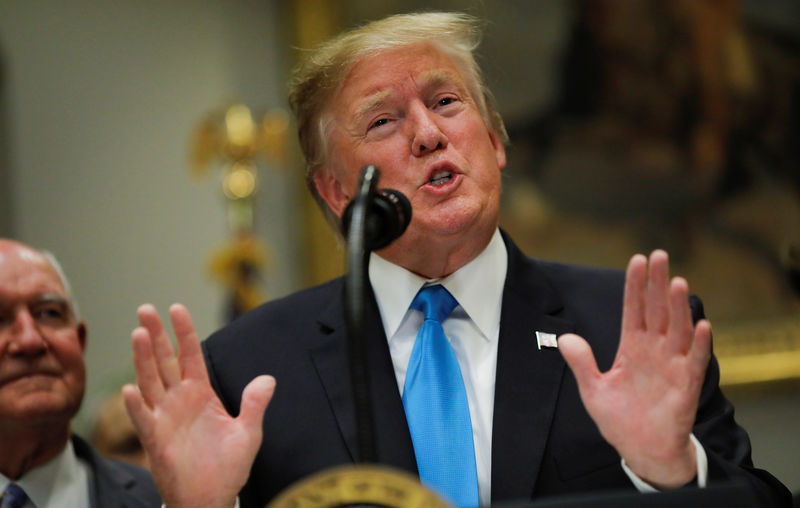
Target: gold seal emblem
(371,485)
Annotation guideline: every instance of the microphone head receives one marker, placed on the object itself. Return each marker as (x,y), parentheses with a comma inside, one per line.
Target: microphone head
(391,213)
(387,217)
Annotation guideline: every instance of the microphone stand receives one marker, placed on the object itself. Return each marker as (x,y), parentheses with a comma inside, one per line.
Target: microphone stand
(355,289)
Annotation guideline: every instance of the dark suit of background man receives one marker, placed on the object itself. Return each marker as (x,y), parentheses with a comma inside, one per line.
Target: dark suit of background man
(42,381)
(405,94)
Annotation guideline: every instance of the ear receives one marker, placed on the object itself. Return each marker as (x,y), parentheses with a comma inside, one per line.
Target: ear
(331,190)
(82,334)
(499,149)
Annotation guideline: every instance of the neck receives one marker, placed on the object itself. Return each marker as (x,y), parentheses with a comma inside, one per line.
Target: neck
(26,448)
(435,257)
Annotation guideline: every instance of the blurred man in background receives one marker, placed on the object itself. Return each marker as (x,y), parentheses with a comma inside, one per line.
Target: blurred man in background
(114,435)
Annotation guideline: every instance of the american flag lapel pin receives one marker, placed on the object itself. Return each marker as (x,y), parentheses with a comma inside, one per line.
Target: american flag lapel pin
(544,339)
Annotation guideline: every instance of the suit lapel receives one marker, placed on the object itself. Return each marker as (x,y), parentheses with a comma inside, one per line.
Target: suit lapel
(111,485)
(527,380)
(392,439)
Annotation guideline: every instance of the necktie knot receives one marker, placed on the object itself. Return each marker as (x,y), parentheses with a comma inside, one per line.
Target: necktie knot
(435,302)
(13,497)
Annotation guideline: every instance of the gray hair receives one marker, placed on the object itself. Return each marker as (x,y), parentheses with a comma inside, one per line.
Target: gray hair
(73,303)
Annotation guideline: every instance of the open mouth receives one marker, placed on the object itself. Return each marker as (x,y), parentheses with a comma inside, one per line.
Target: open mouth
(441,178)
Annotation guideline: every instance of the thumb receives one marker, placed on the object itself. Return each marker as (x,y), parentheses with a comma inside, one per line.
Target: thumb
(255,398)
(578,355)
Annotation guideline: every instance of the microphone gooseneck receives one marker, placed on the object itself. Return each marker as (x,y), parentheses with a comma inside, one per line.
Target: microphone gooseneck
(371,221)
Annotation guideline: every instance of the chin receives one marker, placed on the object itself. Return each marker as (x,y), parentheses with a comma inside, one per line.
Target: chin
(50,415)
(455,224)
(47,406)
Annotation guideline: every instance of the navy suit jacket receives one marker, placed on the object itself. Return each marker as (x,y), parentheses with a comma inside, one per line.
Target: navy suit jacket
(543,441)
(117,484)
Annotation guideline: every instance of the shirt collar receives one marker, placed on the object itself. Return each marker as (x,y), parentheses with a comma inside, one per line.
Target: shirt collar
(43,484)
(477,286)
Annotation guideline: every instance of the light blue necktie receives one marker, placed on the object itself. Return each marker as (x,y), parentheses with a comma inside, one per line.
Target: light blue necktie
(436,405)
(13,497)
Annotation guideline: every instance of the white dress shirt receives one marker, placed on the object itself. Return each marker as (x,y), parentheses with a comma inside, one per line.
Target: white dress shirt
(61,483)
(473,330)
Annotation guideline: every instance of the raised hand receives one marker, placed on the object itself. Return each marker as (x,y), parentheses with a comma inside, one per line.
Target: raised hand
(199,454)
(645,404)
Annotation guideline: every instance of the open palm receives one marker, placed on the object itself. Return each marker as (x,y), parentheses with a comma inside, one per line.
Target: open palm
(199,454)
(645,404)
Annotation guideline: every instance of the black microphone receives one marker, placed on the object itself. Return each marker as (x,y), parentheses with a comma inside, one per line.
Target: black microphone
(371,221)
(388,213)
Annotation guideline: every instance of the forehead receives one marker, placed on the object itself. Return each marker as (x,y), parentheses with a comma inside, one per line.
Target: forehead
(25,273)
(377,76)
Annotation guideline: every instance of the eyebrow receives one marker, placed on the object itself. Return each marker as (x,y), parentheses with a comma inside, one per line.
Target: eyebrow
(52,298)
(439,77)
(373,102)
(42,299)
(429,79)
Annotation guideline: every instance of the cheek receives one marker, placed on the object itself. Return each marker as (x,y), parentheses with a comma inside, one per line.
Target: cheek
(74,382)
(391,155)
(75,370)
(69,354)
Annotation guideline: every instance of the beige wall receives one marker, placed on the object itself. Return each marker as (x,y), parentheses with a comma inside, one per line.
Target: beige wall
(98,103)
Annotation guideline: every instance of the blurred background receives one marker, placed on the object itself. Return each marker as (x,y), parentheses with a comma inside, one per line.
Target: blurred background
(146,144)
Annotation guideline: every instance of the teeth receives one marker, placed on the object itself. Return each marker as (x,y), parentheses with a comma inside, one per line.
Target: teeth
(441,178)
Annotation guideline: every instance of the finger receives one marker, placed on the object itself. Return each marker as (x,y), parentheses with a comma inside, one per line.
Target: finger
(633,301)
(657,299)
(700,351)
(255,398)
(166,361)
(578,355)
(140,414)
(681,331)
(147,376)
(190,356)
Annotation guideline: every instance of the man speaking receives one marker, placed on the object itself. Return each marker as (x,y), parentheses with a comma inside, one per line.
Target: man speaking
(468,387)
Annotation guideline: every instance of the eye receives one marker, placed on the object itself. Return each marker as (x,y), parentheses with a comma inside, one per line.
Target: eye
(379,122)
(51,313)
(54,314)
(447,103)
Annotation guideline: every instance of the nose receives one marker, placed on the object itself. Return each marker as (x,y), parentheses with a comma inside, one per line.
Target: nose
(427,136)
(26,339)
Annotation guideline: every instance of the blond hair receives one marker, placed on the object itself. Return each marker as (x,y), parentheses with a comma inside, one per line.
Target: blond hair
(316,81)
